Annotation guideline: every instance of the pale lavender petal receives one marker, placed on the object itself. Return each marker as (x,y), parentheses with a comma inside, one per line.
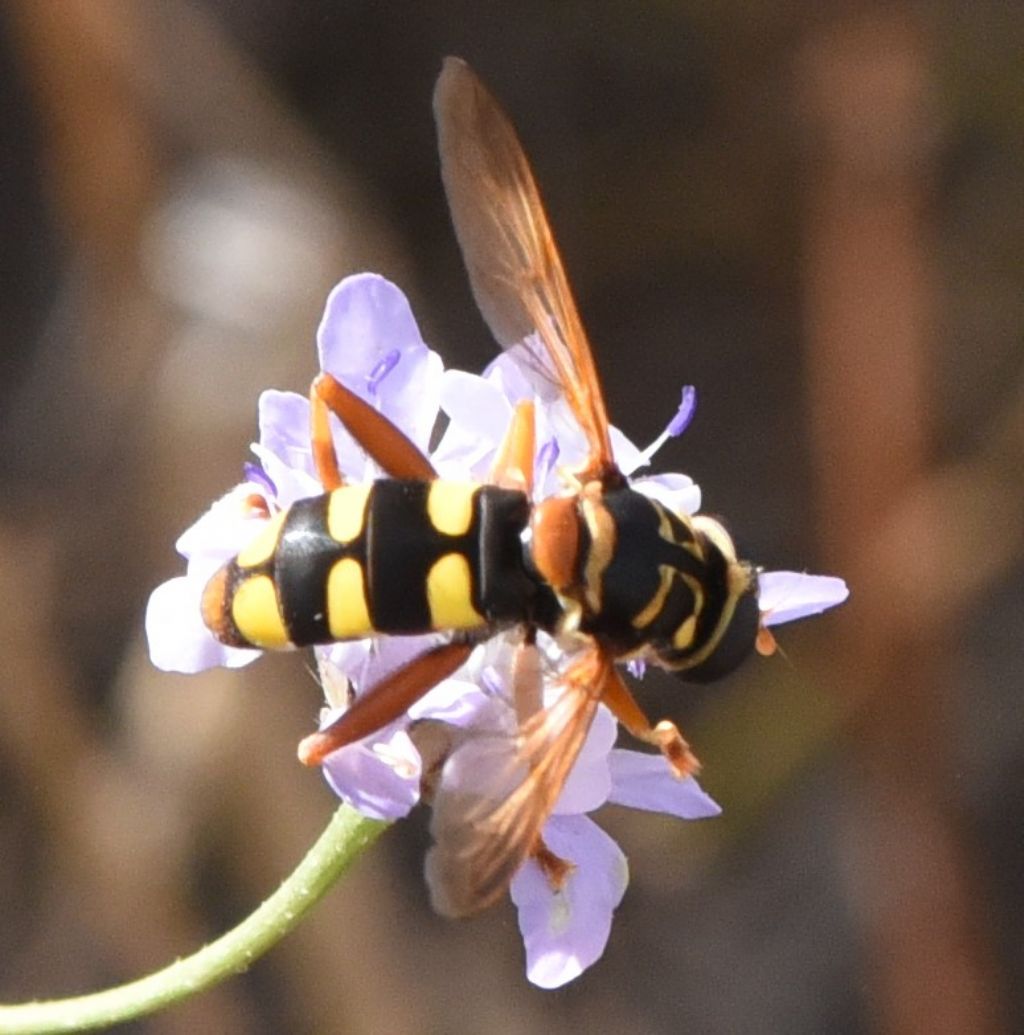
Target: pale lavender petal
(479,416)
(221,532)
(178,639)
(460,457)
(365,663)
(565,932)
(455,701)
(365,318)
(410,396)
(285,451)
(558,420)
(785,596)
(346,657)
(255,475)
(378,776)
(627,454)
(369,340)
(675,491)
(284,429)
(292,483)
(642,781)
(590,781)
(475,406)
(387,654)
(285,447)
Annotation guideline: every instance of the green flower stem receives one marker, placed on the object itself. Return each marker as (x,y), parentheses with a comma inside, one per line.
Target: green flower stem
(345,838)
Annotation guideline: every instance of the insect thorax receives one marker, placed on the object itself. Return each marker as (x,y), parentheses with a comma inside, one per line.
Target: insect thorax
(668,588)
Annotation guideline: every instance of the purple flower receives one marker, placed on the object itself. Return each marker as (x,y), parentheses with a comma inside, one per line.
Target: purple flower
(369,340)
(565,930)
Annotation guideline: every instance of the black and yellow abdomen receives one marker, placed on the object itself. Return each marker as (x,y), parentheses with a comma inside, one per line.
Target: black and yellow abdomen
(394,557)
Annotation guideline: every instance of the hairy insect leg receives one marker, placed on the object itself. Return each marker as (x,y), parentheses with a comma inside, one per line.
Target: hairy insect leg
(381,440)
(513,463)
(665,736)
(385,702)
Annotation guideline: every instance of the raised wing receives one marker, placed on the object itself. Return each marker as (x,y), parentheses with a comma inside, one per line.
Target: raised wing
(514,267)
(497,792)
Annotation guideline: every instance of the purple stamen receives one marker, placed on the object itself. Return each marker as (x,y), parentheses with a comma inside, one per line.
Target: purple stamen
(547,456)
(676,426)
(384,367)
(490,682)
(681,421)
(255,473)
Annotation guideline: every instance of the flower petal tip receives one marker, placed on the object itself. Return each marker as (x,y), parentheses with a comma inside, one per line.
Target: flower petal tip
(786,596)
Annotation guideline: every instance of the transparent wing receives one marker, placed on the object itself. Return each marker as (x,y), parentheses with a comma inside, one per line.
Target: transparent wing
(497,792)
(514,267)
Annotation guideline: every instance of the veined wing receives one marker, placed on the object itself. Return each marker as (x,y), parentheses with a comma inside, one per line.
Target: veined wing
(497,791)
(510,253)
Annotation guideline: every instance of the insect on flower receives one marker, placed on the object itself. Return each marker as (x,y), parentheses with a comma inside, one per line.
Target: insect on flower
(607,573)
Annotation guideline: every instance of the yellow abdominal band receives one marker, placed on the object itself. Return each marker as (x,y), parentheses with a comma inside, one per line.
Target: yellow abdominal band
(450,594)
(348,617)
(255,613)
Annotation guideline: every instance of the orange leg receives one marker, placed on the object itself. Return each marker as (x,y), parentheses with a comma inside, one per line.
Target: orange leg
(527,680)
(384,443)
(385,702)
(325,457)
(664,736)
(513,464)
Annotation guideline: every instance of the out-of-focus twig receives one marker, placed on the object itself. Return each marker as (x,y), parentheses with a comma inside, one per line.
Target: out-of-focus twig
(907,540)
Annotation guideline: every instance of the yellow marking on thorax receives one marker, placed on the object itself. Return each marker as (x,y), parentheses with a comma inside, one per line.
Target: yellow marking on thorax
(450,506)
(255,612)
(684,634)
(665,529)
(690,543)
(450,594)
(348,617)
(602,544)
(697,590)
(666,573)
(346,512)
(262,547)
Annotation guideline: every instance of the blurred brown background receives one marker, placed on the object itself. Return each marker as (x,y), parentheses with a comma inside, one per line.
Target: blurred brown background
(813,212)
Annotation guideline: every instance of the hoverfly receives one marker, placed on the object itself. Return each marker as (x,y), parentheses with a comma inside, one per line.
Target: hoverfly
(607,572)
